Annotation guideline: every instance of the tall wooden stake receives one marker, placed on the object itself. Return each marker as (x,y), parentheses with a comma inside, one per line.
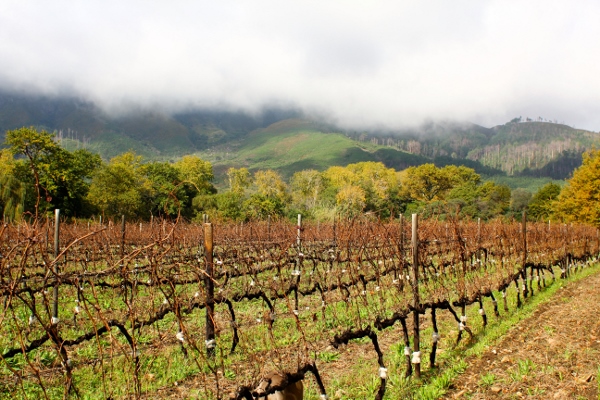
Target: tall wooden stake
(210,290)
(478,243)
(299,235)
(416,301)
(55,268)
(524,255)
(122,237)
(334,231)
(402,272)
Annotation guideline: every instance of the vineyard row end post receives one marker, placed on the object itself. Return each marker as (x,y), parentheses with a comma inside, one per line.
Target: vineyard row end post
(55,268)
(524,255)
(299,234)
(415,269)
(210,290)
(122,237)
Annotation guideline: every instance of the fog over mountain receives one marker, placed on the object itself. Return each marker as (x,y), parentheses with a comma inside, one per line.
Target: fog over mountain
(374,64)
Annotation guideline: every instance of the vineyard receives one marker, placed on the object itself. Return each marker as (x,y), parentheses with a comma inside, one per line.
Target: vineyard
(123,310)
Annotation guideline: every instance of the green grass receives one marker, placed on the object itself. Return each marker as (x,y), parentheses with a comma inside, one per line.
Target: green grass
(289,152)
(522,370)
(360,381)
(163,363)
(521,182)
(488,379)
(294,145)
(111,144)
(491,336)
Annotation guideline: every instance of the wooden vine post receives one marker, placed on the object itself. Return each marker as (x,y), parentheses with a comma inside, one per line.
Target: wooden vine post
(122,238)
(401,250)
(524,255)
(478,242)
(335,233)
(298,261)
(299,234)
(47,230)
(210,290)
(416,302)
(53,331)
(565,263)
(55,268)
(401,222)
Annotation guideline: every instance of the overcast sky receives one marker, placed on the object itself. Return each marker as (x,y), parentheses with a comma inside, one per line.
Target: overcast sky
(360,63)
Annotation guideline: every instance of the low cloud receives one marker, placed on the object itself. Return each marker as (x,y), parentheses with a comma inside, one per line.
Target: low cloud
(362,64)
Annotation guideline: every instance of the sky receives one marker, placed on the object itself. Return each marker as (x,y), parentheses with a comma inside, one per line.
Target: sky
(361,64)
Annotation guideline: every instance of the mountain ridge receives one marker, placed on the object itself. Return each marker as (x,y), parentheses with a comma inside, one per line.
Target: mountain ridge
(530,148)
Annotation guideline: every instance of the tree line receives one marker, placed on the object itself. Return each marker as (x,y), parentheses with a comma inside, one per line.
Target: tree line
(37,175)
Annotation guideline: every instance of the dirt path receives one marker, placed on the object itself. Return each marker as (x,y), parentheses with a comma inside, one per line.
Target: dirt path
(554,354)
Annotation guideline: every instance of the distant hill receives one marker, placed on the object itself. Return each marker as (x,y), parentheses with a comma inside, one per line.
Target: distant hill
(149,133)
(536,149)
(287,141)
(295,144)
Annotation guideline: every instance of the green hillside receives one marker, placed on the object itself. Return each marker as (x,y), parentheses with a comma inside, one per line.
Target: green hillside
(285,140)
(147,132)
(528,183)
(295,144)
(532,148)
(535,149)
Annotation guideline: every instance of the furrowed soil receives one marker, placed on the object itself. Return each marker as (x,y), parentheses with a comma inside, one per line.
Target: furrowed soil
(554,354)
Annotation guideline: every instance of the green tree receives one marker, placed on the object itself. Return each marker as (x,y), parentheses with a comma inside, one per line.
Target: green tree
(540,206)
(338,177)
(494,200)
(12,189)
(486,200)
(270,198)
(429,183)
(258,206)
(59,178)
(378,182)
(71,175)
(579,200)
(379,187)
(351,200)
(230,206)
(239,180)
(461,175)
(38,148)
(119,187)
(165,194)
(196,173)
(306,187)
(206,204)
(519,201)
(467,199)
(271,185)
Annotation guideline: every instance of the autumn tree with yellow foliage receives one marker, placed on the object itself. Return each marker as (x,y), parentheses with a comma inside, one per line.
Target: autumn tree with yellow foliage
(579,200)
(364,187)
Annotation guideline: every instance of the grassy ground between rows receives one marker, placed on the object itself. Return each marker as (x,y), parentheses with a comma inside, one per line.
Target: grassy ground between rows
(358,380)
(350,372)
(492,334)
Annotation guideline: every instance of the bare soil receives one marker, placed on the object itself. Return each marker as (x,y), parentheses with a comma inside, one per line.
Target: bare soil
(554,354)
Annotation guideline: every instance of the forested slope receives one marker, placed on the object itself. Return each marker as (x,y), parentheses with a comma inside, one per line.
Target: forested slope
(531,148)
